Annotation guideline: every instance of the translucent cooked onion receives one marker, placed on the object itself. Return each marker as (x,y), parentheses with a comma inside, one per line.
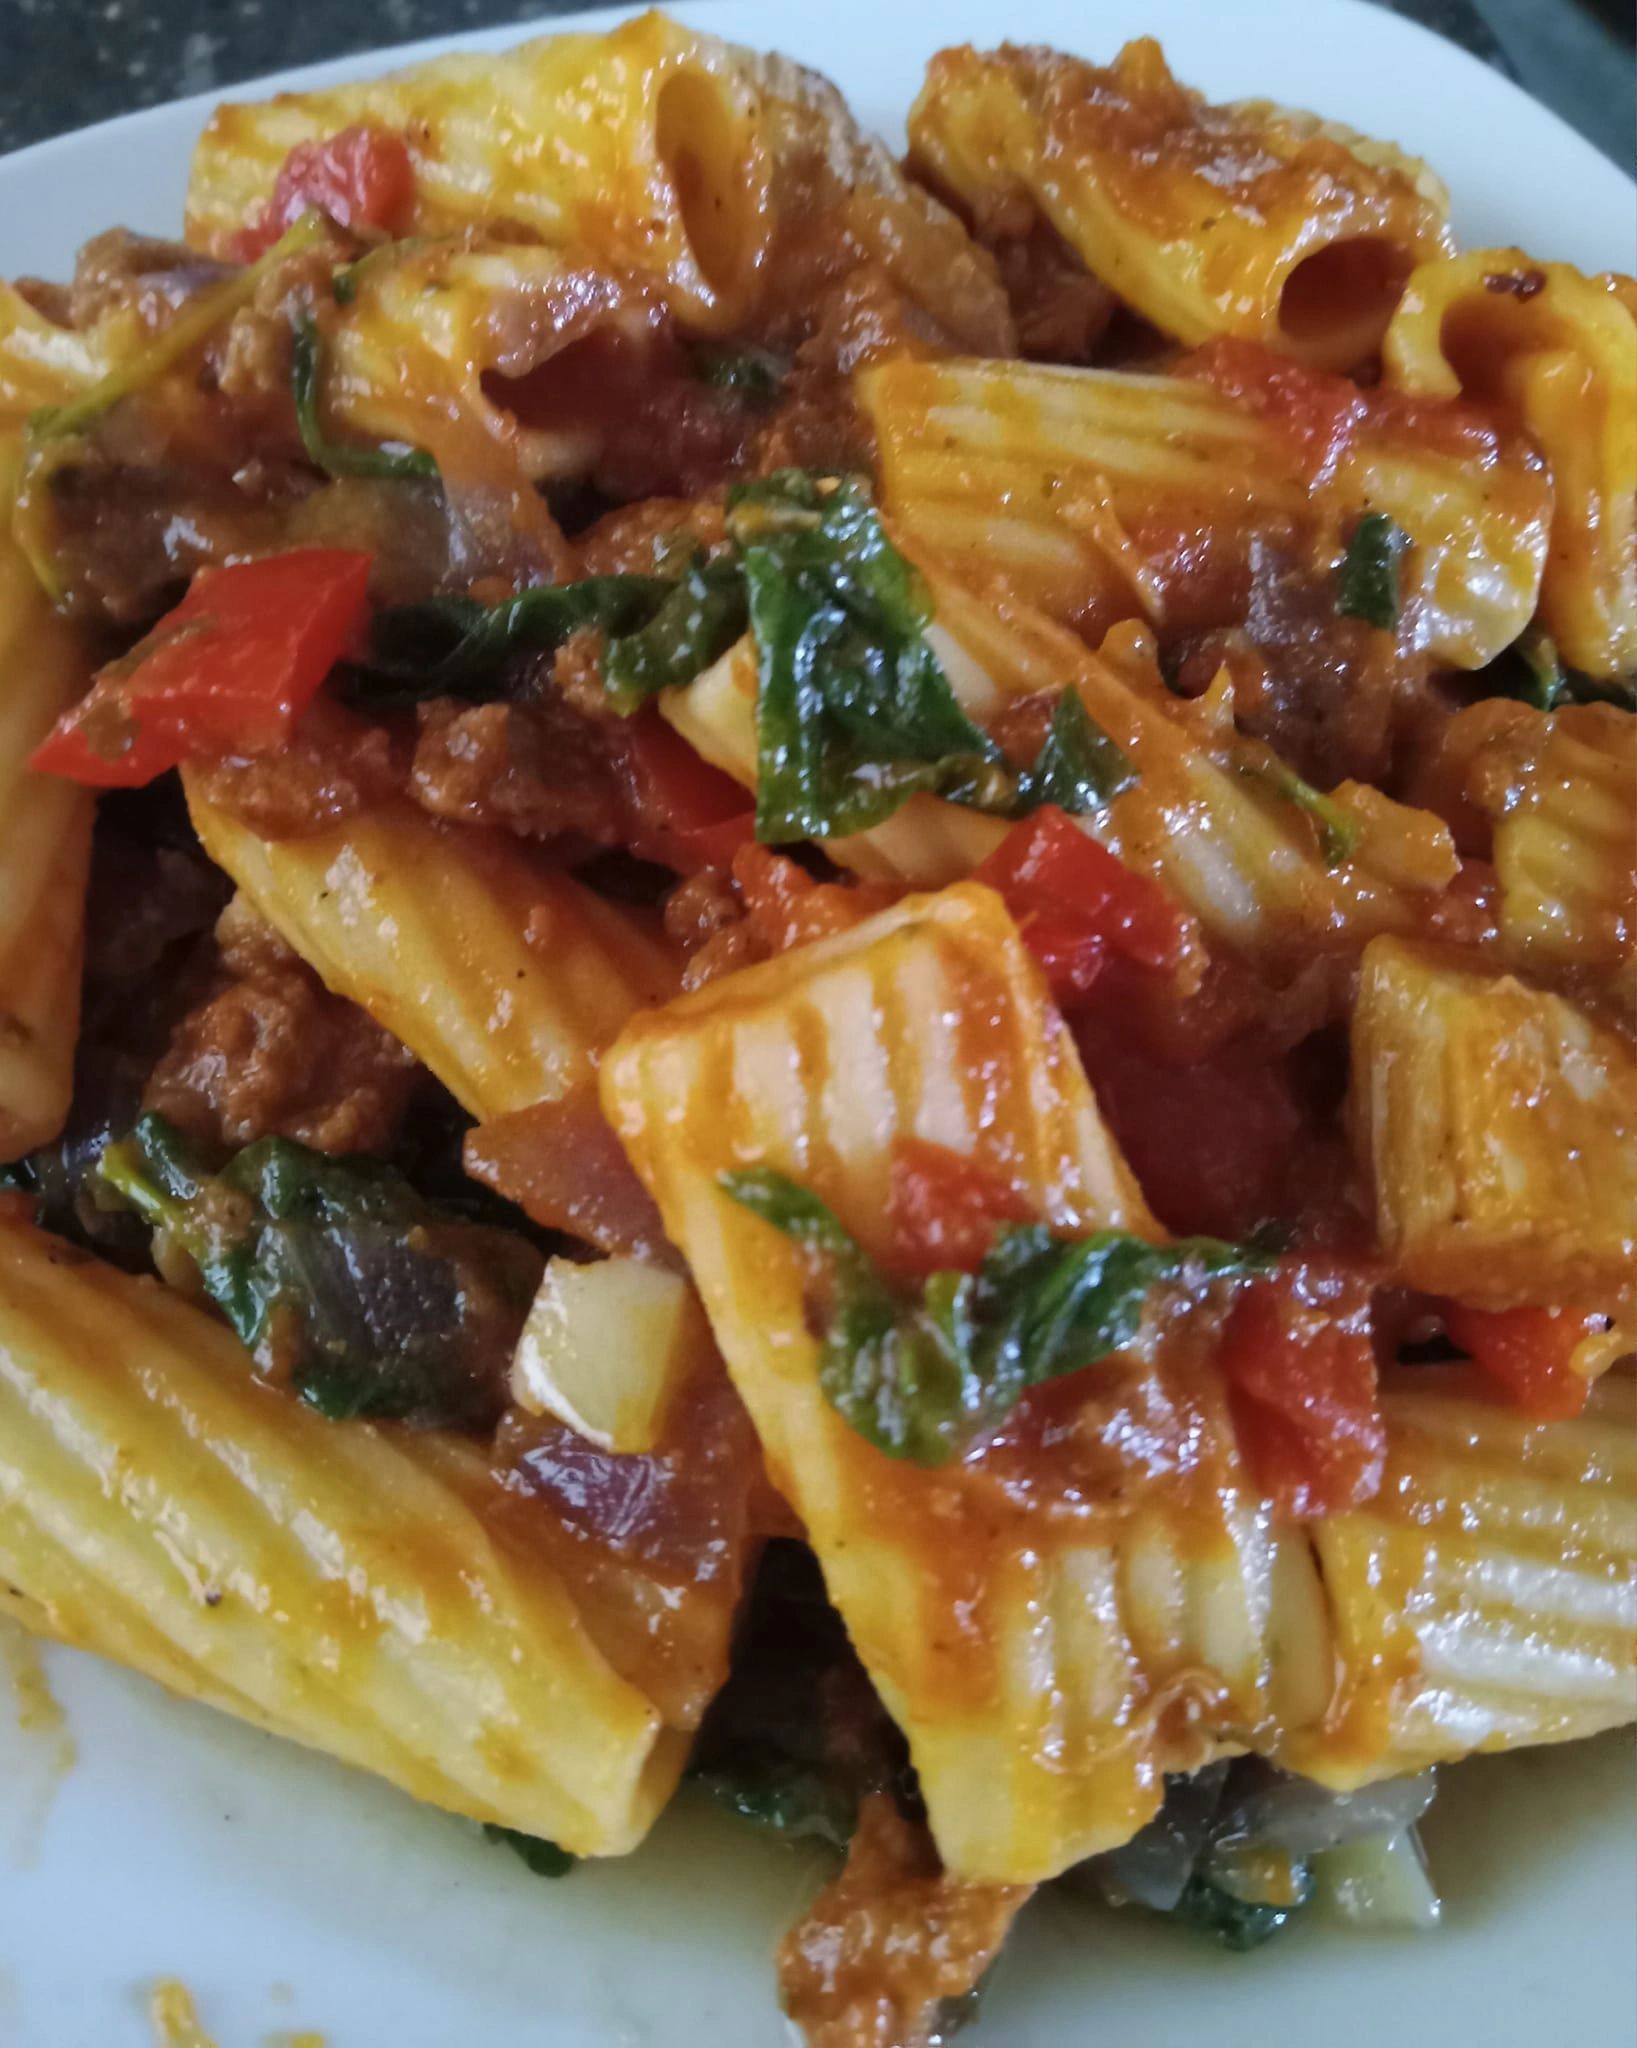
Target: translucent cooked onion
(1381,1882)
(1272,1806)
(1154,1867)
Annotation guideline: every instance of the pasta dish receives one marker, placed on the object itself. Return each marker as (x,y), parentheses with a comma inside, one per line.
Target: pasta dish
(818,975)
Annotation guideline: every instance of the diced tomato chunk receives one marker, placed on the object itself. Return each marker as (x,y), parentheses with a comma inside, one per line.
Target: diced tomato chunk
(1074,903)
(685,814)
(230,670)
(1299,1359)
(362,178)
(1530,1351)
(944,1209)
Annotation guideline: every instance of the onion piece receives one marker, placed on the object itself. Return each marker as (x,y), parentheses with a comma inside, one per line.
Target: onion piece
(1154,1867)
(1275,1807)
(1381,1882)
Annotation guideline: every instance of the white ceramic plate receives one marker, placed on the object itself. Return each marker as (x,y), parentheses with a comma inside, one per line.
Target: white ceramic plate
(290,1893)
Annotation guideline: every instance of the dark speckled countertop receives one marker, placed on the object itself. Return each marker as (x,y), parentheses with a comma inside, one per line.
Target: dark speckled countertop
(71,62)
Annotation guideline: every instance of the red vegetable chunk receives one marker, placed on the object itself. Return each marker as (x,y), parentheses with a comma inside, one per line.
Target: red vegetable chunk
(361,178)
(1299,1357)
(1529,1351)
(1074,903)
(229,671)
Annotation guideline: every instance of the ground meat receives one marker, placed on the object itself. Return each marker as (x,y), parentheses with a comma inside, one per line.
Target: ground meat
(707,919)
(334,767)
(883,1948)
(1061,310)
(538,769)
(632,540)
(272,1052)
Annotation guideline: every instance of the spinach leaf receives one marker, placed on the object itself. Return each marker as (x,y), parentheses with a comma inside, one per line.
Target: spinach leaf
(921,1377)
(1079,768)
(544,1858)
(855,713)
(339,458)
(1367,584)
(1239,1924)
(455,647)
(787,1797)
(698,619)
(1532,670)
(337,1273)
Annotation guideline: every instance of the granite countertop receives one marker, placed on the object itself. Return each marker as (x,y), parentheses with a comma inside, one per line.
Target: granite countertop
(71,64)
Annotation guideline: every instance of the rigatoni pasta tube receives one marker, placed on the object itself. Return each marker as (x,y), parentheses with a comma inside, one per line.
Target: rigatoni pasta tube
(1556,352)
(641,146)
(1076,486)
(370,1592)
(45,850)
(1487,1596)
(1251,220)
(1046,1669)
(501,975)
(1498,1125)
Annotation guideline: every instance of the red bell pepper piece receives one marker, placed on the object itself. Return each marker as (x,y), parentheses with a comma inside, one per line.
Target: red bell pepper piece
(230,670)
(685,814)
(1074,902)
(1528,1350)
(945,1209)
(1299,1359)
(361,178)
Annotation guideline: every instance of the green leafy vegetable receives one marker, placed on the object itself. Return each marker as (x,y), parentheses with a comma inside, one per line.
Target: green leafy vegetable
(544,1858)
(339,458)
(1079,768)
(700,617)
(1367,585)
(455,647)
(1338,832)
(1239,1924)
(1532,670)
(855,713)
(747,372)
(336,1273)
(921,1377)
(787,1797)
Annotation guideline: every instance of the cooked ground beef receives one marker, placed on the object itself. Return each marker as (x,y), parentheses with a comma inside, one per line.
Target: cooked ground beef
(272,1052)
(537,769)
(334,767)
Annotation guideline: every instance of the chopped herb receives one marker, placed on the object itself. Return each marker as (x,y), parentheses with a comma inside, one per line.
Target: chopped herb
(544,1858)
(922,1376)
(1338,832)
(753,373)
(335,1272)
(338,458)
(1532,670)
(1367,584)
